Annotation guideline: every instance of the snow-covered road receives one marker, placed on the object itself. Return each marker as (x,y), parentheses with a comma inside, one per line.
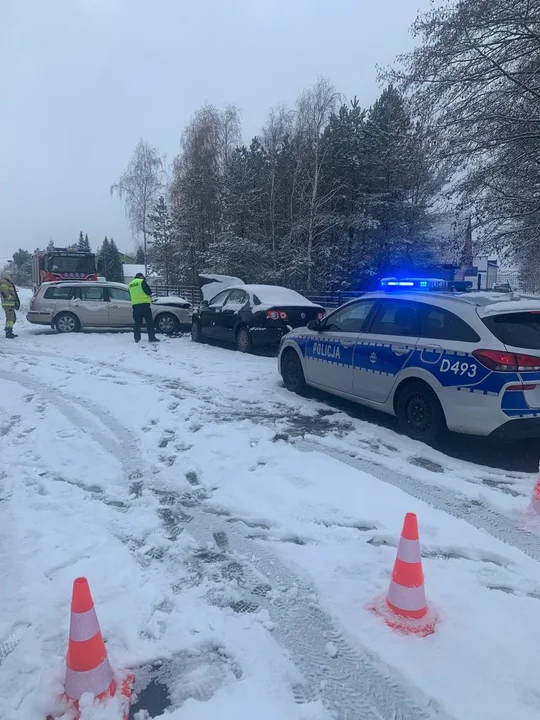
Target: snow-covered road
(232,535)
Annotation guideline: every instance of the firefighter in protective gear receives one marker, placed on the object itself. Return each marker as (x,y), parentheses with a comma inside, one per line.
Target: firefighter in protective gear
(141,297)
(10,302)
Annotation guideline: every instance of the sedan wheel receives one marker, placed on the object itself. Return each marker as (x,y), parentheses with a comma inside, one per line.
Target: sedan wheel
(243,341)
(167,324)
(196,332)
(67,323)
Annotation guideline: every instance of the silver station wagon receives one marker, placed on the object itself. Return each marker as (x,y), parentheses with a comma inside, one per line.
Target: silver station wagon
(72,306)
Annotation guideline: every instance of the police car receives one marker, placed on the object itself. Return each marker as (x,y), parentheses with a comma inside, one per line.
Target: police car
(469,362)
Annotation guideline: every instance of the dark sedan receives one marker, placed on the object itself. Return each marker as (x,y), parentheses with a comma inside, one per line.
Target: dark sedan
(252,315)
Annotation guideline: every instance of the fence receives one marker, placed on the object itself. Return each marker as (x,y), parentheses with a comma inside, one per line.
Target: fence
(331,300)
(192,293)
(189,292)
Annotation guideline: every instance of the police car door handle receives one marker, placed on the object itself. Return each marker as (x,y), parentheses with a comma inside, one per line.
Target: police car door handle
(401,350)
(347,343)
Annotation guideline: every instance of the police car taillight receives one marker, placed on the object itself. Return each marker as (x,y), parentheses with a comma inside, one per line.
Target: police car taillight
(507,362)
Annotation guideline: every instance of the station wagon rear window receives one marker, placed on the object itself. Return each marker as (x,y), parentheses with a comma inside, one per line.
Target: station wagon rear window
(520,329)
(57,293)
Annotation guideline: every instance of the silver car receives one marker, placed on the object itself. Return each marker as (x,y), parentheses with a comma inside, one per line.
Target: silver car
(467,362)
(72,306)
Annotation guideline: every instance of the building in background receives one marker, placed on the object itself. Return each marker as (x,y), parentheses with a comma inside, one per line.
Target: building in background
(130,271)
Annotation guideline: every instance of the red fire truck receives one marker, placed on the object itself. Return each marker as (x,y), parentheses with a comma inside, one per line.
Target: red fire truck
(62,264)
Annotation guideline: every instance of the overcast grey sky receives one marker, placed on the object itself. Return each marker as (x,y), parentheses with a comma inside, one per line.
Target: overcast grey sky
(82,80)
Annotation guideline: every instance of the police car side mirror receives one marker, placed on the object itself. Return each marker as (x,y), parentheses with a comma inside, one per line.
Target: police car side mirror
(314,325)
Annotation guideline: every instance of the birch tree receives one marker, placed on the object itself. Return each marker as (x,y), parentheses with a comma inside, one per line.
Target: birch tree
(139,188)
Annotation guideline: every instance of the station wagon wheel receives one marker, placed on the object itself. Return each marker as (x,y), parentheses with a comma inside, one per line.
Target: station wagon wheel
(167,323)
(293,373)
(419,412)
(243,340)
(67,323)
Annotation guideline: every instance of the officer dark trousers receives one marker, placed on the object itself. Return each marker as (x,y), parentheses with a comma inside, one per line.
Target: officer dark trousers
(143,313)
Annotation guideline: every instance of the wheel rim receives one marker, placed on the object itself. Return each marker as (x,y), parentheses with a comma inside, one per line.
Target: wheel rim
(243,340)
(292,371)
(66,323)
(166,324)
(419,414)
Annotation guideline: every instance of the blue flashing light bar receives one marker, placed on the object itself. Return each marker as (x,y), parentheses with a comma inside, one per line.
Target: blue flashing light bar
(415,283)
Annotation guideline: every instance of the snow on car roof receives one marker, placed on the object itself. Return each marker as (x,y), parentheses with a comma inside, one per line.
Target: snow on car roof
(221,278)
(171,300)
(276,295)
(511,306)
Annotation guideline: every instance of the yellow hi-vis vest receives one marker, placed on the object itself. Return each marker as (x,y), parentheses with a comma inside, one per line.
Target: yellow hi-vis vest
(8,294)
(137,294)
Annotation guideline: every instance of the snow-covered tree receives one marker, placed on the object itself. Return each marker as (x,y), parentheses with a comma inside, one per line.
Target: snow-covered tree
(163,248)
(84,244)
(474,75)
(140,186)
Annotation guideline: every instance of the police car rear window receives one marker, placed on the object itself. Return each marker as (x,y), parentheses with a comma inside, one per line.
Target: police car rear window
(439,324)
(516,329)
(57,293)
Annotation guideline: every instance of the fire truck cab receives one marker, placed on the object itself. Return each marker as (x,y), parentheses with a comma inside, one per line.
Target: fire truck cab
(62,264)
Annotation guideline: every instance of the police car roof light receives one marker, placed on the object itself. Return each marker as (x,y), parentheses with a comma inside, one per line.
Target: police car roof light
(418,283)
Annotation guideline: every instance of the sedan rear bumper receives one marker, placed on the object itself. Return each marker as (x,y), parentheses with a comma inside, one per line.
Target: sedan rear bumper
(518,429)
(262,336)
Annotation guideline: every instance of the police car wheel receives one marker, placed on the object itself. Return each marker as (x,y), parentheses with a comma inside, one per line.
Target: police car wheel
(419,413)
(292,373)
(243,341)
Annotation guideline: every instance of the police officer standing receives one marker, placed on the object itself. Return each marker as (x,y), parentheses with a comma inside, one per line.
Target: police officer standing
(9,301)
(141,297)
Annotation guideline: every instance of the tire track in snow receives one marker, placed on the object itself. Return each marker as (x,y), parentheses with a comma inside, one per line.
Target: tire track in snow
(474,512)
(354,685)
(120,443)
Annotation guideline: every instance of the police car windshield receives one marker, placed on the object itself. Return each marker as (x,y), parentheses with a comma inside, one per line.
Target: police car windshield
(516,329)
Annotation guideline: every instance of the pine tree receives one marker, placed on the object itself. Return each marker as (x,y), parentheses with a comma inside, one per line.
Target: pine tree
(162,250)
(104,257)
(139,256)
(115,271)
(239,247)
(83,245)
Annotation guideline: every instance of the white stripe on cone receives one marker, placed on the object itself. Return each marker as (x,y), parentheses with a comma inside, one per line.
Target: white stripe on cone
(409,551)
(405,598)
(96,681)
(84,626)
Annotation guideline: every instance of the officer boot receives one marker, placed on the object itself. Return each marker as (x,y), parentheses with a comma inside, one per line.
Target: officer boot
(10,335)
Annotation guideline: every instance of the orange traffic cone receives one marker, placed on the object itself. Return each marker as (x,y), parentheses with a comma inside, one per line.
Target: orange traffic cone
(87,666)
(405,607)
(535,501)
